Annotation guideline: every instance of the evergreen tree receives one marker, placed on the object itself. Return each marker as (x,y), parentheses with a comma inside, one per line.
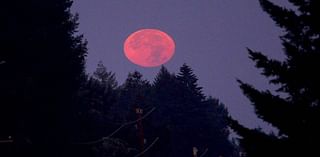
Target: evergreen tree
(43,63)
(213,132)
(185,118)
(105,77)
(297,114)
(164,96)
(134,94)
(95,118)
(165,90)
(97,95)
(188,81)
(109,84)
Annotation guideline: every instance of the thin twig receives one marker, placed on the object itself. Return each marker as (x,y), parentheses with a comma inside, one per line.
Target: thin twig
(6,141)
(204,153)
(131,122)
(91,142)
(115,131)
(145,150)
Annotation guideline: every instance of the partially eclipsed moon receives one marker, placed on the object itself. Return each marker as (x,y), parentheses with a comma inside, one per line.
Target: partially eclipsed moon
(149,47)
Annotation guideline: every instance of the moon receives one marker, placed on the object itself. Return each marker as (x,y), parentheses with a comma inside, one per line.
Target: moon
(149,47)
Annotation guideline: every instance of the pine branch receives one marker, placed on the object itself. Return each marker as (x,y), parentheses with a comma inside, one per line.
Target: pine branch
(283,17)
(6,141)
(301,4)
(271,68)
(271,108)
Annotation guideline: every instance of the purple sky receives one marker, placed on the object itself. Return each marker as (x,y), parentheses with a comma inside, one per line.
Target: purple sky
(210,35)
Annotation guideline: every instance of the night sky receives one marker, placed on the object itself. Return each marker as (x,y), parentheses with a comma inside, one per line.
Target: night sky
(210,35)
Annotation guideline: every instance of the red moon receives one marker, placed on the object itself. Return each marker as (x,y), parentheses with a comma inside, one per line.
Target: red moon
(149,47)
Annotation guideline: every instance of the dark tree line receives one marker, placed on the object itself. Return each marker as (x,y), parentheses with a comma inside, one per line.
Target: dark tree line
(296,115)
(182,117)
(50,107)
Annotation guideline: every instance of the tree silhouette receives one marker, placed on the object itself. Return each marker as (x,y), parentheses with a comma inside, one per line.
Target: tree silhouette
(188,80)
(134,93)
(44,61)
(295,115)
(185,118)
(105,77)
(171,123)
(95,99)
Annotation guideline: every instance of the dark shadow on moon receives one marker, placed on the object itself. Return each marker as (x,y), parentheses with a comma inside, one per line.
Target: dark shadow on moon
(157,55)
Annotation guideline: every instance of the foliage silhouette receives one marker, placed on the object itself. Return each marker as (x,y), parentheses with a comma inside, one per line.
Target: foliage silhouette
(295,115)
(44,61)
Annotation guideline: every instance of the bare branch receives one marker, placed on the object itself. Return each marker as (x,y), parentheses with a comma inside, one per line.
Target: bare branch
(6,141)
(204,153)
(117,130)
(145,150)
